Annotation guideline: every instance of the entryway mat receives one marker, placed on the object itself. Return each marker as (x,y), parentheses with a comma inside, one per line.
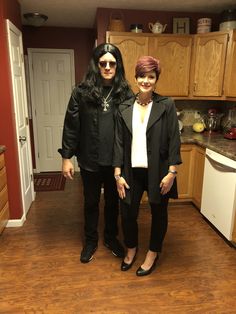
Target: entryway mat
(49,181)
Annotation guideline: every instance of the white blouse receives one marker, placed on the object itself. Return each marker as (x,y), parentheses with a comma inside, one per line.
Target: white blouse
(139,140)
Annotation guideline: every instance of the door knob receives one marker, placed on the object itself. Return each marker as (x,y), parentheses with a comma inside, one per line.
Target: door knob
(22,139)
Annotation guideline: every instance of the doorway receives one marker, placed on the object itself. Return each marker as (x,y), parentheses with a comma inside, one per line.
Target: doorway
(52,78)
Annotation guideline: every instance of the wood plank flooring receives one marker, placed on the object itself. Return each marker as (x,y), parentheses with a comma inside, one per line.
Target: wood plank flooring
(40,271)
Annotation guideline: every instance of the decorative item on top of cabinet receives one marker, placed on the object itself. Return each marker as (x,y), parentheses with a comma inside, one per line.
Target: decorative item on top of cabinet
(4,207)
(157,28)
(209,56)
(181,25)
(116,22)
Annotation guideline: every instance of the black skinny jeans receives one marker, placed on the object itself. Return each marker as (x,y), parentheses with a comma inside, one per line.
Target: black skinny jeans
(129,214)
(92,184)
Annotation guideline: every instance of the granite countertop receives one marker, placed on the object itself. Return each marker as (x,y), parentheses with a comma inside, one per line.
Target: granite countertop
(215,142)
(2,149)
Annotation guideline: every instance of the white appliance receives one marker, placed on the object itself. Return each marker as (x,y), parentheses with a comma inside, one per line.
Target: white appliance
(219,192)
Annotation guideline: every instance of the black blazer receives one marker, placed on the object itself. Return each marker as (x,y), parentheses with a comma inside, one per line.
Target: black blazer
(163,144)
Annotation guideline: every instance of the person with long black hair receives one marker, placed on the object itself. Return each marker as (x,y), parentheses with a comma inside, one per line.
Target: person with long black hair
(88,133)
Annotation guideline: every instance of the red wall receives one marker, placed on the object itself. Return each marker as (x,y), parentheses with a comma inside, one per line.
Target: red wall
(9,10)
(144,17)
(81,40)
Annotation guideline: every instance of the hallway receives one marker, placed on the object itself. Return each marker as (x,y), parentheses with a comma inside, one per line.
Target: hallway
(40,270)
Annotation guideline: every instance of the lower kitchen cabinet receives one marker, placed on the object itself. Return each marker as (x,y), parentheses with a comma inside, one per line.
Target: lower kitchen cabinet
(190,175)
(4,207)
(185,172)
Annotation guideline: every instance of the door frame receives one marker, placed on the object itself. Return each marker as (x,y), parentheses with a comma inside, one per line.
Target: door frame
(12,28)
(31,80)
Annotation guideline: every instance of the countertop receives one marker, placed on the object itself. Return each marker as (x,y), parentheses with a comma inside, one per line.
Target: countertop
(214,141)
(2,149)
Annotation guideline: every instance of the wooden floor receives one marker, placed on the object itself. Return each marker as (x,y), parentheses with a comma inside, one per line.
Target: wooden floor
(40,270)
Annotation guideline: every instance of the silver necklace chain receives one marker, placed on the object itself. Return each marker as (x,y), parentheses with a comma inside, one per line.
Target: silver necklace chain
(106,100)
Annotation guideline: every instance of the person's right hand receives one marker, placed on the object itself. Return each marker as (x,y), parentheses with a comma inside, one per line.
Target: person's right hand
(121,186)
(67,168)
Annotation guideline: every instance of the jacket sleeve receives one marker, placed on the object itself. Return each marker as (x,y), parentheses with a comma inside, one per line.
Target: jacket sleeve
(118,159)
(173,135)
(70,136)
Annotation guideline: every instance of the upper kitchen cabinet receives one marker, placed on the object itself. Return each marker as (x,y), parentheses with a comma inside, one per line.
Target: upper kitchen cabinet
(174,53)
(131,47)
(230,73)
(208,64)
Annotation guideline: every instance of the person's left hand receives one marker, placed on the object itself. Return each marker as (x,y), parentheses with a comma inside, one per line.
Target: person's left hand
(121,186)
(166,183)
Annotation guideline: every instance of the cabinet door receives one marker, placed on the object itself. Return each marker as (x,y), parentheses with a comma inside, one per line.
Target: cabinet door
(174,53)
(230,74)
(209,64)
(131,47)
(185,172)
(199,161)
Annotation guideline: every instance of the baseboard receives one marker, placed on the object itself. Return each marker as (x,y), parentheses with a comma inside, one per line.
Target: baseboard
(16,222)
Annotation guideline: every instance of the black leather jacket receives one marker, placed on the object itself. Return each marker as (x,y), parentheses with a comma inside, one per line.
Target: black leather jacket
(81,130)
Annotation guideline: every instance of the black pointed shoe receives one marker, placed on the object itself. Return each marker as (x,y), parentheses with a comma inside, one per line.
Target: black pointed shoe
(125,266)
(141,272)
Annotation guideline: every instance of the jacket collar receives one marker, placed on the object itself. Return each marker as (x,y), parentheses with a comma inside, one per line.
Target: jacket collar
(158,107)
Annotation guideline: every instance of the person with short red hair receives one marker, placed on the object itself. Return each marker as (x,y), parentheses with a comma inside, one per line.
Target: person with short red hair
(146,152)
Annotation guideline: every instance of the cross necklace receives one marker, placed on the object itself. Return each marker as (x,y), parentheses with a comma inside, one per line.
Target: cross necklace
(106,100)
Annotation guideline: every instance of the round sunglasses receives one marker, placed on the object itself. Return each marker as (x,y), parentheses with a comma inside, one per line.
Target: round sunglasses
(111,64)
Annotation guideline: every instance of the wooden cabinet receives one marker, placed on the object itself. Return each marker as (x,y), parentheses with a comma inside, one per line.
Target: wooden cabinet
(208,64)
(190,175)
(230,73)
(173,51)
(132,46)
(198,170)
(201,66)
(4,207)
(185,172)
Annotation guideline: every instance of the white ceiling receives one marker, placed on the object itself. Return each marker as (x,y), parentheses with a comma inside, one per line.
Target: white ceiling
(81,13)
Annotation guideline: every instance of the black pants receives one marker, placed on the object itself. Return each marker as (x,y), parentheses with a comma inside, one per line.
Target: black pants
(129,214)
(93,182)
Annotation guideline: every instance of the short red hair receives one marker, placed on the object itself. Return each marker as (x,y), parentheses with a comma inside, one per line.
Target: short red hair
(147,64)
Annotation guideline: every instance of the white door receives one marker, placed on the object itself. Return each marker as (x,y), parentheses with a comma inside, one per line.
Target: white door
(21,114)
(51,82)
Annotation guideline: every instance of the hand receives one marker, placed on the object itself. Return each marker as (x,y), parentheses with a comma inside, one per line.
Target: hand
(121,186)
(67,169)
(166,183)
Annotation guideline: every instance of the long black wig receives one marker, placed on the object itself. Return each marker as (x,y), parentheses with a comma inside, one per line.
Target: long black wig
(91,87)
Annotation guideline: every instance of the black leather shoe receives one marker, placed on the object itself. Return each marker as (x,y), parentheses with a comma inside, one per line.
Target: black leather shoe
(115,247)
(142,272)
(87,253)
(125,266)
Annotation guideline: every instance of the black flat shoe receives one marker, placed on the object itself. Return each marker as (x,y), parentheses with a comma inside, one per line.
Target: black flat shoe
(125,266)
(141,272)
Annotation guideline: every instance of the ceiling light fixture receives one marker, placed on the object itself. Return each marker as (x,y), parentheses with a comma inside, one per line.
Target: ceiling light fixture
(35,19)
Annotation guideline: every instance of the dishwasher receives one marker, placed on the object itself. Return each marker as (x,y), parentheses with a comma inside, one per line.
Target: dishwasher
(219,192)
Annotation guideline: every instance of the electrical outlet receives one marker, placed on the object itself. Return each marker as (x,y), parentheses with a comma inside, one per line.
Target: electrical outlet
(196,114)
